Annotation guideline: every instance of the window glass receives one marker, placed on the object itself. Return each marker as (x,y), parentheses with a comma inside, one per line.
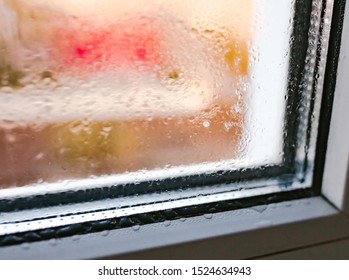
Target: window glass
(98,88)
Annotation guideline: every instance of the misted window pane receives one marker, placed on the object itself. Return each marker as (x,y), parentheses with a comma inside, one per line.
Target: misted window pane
(103,87)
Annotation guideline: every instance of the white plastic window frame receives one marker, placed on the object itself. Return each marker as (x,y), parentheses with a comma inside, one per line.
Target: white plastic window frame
(246,233)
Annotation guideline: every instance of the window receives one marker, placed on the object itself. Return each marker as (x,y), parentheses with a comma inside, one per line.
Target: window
(116,116)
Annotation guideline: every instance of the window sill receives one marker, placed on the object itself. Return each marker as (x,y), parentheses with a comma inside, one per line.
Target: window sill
(239,234)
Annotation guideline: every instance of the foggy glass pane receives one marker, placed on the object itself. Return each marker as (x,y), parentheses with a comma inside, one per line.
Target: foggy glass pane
(94,88)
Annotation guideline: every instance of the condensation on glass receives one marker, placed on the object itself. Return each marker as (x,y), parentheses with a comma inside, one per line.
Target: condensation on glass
(94,88)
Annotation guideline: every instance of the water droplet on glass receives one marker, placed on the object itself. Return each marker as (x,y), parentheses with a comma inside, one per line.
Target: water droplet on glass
(76,237)
(105,233)
(25,246)
(167,223)
(206,123)
(260,208)
(136,227)
(208,216)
